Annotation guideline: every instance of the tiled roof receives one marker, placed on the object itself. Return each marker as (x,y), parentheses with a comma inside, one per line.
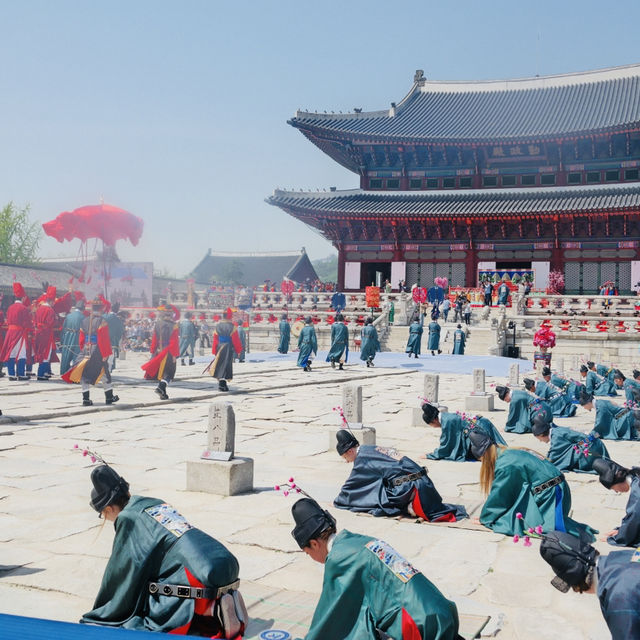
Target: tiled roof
(461,202)
(255,268)
(515,109)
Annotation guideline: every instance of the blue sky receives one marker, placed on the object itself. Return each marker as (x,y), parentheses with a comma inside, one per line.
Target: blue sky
(176,111)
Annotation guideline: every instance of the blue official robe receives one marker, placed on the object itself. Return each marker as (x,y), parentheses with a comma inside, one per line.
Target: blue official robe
(454,437)
(614,422)
(415,337)
(629,530)
(69,339)
(434,336)
(570,387)
(370,487)
(565,457)
(459,340)
(339,342)
(619,594)
(631,391)
(522,408)
(517,474)
(597,386)
(307,344)
(285,336)
(370,344)
(368,586)
(560,402)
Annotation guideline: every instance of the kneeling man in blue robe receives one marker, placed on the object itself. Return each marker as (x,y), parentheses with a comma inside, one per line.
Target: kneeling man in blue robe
(369,590)
(614,578)
(383,483)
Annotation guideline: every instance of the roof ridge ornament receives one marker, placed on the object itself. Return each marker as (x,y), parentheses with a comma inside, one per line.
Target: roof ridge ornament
(419,78)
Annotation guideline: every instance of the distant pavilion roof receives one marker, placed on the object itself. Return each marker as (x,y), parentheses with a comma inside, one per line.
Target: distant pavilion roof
(256,267)
(480,202)
(530,108)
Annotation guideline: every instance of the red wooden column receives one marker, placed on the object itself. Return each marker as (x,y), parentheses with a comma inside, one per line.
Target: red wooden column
(557,256)
(471,264)
(341,259)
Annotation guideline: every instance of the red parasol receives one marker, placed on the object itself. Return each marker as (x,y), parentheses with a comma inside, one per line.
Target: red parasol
(102,221)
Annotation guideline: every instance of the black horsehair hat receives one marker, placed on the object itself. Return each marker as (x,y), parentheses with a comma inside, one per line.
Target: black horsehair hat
(636,373)
(107,486)
(540,425)
(546,371)
(585,396)
(502,391)
(610,472)
(570,558)
(429,412)
(618,374)
(583,368)
(529,384)
(346,440)
(311,520)
(480,442)
(591,364)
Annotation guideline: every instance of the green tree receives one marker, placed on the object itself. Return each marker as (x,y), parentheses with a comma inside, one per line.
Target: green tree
(19,237)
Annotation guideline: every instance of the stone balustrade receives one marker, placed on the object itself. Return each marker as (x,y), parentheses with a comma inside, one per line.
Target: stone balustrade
(569,305)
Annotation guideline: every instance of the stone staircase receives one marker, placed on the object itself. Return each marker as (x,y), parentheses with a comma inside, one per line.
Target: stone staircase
(479,340)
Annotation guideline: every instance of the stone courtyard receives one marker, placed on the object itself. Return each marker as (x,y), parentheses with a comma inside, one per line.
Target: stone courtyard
(53,548)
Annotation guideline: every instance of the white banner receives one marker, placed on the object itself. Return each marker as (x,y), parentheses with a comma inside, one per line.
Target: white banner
(398,272)
(635,275)
(541,271)
(352,275)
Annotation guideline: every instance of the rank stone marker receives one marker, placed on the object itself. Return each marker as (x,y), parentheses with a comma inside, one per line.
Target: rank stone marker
(479,400)
(514,376)
(352,407)
(431,393)
(218,470)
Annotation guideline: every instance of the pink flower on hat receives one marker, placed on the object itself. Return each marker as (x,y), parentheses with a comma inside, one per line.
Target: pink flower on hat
(519,516)
(516,539)
(527,541)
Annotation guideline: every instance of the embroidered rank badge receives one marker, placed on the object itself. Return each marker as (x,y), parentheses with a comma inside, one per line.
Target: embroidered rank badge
(389,452)
(400,567)
(169,518)
(636,555)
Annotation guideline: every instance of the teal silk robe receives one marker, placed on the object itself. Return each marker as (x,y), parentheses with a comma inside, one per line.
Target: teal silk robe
(307,344)
(454,437)
(597,386)
(285,335)
(522,408)
(459,341)
(565,457)
(434,336)
(153,543)
(631,391)
(339,342)
(517,473)
(69,339)
(614,422)
(415,337)
(367,586)
(570,387)
(560,402)
(370,343)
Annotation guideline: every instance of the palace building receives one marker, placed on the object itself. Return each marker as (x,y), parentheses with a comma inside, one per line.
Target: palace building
(458,177)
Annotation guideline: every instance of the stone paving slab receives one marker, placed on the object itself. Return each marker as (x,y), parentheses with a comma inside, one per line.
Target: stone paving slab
(54,548)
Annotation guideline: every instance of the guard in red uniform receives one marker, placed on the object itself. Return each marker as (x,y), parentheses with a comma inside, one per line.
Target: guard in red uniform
(44,346)
(16,341)
(93,367)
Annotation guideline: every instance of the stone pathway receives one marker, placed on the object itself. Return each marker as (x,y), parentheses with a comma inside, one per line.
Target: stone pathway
(53,548)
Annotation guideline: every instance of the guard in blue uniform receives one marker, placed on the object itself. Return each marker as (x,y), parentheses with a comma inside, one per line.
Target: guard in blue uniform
(617,478)
(415,336)
(459,341)
(615,578)
(339,343)
(434,337)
